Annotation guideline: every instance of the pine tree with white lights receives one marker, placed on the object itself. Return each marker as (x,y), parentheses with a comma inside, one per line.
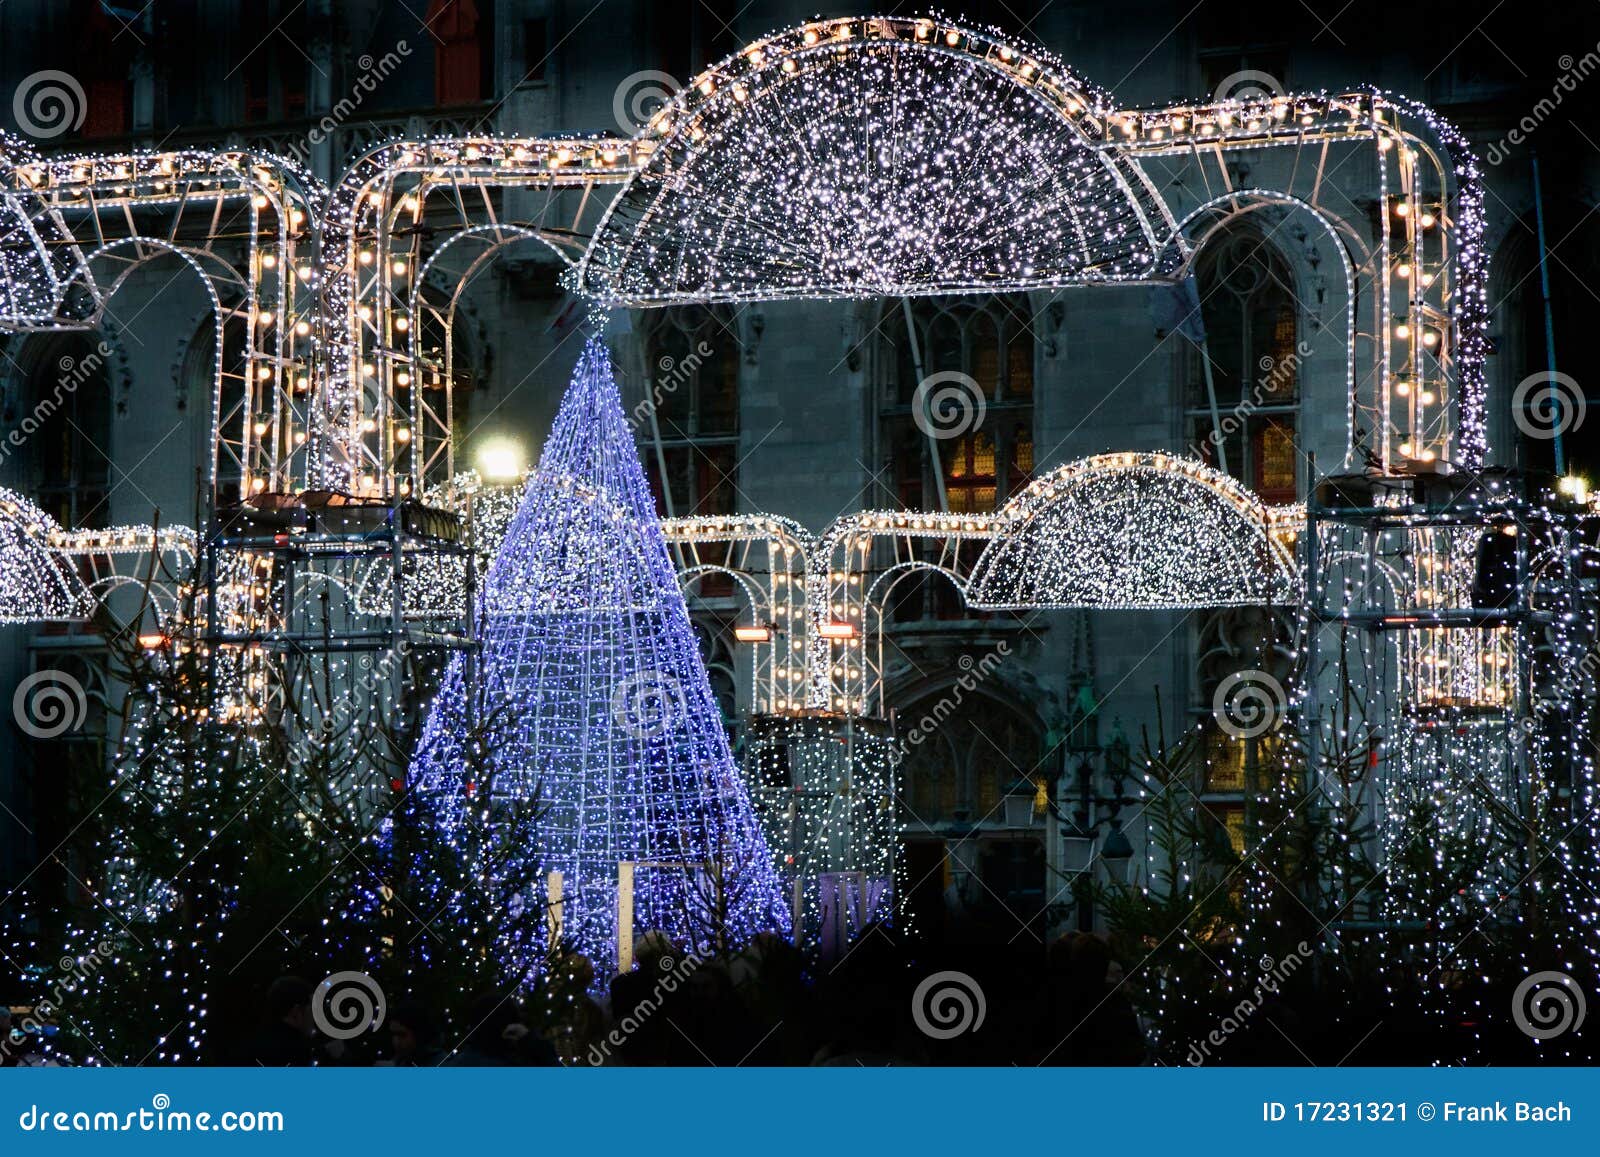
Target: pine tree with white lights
(613,725)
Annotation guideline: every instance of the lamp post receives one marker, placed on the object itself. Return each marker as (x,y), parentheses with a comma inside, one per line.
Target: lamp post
(1017,803)
(1078,835)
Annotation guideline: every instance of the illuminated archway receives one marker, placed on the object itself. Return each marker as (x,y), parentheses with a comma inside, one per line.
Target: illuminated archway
(875,157)
(1135,531)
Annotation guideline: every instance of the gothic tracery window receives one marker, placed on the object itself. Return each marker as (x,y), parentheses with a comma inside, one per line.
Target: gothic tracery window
(66,408)
(692,386)
(984,460)
(1251,317)
(972,748)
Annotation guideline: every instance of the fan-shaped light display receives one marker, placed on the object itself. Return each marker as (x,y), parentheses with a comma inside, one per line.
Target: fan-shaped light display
(873,157)
(1135,531)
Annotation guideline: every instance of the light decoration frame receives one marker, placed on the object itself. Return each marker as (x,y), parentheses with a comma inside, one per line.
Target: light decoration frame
(36,583)
(377,433)
(383,348)
(597,704)
(239,220)
(1426,266)
(667,214)
(1475,715)
(1135,514)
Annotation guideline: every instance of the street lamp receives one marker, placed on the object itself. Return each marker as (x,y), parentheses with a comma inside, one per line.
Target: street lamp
(1077,847)
(1018,802)
(500,460)
(1117,852)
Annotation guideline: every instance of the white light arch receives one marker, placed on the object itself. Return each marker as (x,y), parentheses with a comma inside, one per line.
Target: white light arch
(1135,531)
(875,157)
(35,582)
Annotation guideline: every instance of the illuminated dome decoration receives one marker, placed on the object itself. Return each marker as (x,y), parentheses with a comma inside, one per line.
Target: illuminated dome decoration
(874,157)
(1135,531)
(37,255)
(597,703)
(35,582)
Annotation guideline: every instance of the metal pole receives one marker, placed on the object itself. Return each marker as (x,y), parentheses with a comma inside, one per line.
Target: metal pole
(1211,398)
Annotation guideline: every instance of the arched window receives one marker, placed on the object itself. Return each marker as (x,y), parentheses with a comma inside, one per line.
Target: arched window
(65,420)
(983,459)
(1251,318)
(691,388)
(964,750)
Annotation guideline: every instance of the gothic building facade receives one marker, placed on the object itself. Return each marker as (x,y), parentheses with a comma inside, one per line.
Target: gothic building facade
(804,409)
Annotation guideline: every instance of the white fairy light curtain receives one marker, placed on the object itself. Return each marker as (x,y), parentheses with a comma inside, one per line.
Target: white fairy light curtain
(36,583)
(870,158)
(1134,531)
(594,699)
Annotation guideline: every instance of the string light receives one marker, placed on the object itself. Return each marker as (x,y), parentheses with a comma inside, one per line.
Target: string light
(611,725)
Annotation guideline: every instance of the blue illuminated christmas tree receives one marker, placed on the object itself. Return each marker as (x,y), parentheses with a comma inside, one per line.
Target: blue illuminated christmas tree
(591,696)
